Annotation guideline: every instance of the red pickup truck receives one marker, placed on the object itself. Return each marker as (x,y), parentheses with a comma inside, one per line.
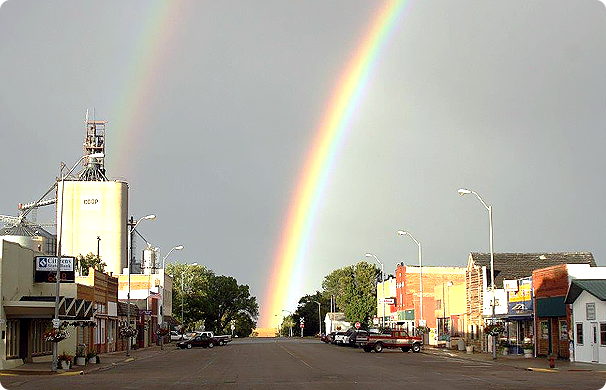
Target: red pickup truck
(395,339)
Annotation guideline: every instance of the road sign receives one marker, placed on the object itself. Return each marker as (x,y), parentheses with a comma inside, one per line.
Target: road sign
(302,325)
(357,325)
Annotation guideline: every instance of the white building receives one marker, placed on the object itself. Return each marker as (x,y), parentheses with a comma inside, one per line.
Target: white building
(588,300)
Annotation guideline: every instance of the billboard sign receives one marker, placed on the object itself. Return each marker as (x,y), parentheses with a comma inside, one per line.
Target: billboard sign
(510,285)
(45,269)
(520,301)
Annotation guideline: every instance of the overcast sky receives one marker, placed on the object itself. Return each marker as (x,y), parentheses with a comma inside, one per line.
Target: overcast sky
(223,98)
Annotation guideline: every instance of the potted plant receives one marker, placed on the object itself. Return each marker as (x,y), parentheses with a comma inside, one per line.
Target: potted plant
(81,355)
(528,350)
(65,361)
(468,346)
(92,357)
(551,359)
(504,347)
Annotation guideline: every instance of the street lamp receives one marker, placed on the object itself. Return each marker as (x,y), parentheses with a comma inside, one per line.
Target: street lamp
(382,285)
(291,321)
(405,233)
(319,317)
(464,191)
(56,321)
(178,248)
(133,226)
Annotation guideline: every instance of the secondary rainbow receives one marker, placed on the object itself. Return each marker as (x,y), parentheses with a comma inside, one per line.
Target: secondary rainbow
(285,277)
(143,69)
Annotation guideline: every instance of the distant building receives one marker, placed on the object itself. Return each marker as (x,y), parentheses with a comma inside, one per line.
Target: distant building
(336,322)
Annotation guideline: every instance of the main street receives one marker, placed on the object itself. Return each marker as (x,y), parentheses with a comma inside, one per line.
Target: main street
(305,363)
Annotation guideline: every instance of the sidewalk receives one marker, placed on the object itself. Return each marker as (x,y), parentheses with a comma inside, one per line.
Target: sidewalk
(517,361)
(107,361)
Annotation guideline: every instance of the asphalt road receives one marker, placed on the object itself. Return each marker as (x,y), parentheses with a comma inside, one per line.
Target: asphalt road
(306,364)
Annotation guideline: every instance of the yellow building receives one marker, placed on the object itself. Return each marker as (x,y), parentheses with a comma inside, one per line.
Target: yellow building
(386,299)
(94,209)
(450,309)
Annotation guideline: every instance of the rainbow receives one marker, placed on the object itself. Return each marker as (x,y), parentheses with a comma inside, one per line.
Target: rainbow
(128,118)
(285,281)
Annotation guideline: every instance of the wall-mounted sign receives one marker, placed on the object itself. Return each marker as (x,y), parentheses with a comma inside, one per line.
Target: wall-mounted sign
(45,269)
(520,301)
(91,202)
(389,301)
(510,285)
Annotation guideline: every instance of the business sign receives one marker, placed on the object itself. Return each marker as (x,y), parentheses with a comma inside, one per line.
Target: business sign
(388,301)
(91,202)
(45,269)
(510,285)
(520,301)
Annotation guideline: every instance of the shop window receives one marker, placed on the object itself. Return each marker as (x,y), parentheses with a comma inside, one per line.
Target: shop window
(580,334)
(438,304)
(603,333)
(590,311)
(12,339)
(563,330)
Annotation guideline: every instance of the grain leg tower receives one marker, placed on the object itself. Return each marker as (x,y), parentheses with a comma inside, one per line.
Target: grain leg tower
(95,209)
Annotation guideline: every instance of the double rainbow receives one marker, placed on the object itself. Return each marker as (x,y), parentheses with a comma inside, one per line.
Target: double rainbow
(285,279)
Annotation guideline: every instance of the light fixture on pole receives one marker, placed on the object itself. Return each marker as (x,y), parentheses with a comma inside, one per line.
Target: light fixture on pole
(406,233)
(382,285)
(319,317)
(177,248)
(56,321)
(464,191)
(132,226)
(291,321)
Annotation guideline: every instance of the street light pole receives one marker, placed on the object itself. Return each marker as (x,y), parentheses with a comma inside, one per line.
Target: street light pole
(405,233)
(464,191)
(291,321)
(56,322)
(382,285)
(132,226)
(319,317)
(178,248)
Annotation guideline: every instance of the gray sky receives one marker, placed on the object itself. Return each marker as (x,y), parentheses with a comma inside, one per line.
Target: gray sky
(506,98)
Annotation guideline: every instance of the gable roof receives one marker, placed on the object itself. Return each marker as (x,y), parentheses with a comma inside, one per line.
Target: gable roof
(595,287)
(521,265)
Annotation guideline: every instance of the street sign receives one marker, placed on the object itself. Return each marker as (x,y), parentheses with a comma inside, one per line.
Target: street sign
(302,325)
(389,301)
(357,325)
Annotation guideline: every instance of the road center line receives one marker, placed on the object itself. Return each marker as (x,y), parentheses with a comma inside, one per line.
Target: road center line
(293,355)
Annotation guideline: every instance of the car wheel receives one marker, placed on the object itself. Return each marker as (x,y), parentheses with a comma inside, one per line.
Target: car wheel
(210,345)
(221,343)
(367,349)
(189,346)
(405,349)
(416,348)
(378,347)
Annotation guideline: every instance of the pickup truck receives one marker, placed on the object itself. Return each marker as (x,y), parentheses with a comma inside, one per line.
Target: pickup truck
(394,339)
(224,339)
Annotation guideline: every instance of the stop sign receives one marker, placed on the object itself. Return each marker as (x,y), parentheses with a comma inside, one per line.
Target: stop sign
(357,325)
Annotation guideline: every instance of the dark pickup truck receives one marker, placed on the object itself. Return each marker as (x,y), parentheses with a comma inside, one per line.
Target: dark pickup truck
(394,339)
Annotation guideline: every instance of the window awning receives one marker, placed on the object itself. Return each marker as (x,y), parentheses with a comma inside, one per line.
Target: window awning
(44,307)
(551,307)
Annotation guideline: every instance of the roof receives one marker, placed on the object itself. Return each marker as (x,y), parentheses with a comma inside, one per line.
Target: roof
(25,230)
(595,287)
(336,316)
(521,265)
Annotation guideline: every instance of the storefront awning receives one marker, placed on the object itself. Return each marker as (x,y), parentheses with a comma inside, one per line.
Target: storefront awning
(44,307)
(551,307)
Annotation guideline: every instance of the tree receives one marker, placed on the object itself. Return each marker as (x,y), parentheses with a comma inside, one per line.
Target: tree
(83,263)
(190,285)
(355,290)
(308,309)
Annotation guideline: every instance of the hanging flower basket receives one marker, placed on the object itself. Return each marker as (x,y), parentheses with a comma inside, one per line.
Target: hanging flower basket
(494,329)
(162,331)
(127,332)
(55,335)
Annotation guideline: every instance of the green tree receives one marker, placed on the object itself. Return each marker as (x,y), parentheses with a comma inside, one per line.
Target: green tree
(308,309)
(190,286)
(83,263)
(355,290)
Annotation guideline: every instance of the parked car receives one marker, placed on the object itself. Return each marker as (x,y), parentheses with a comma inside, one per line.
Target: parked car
(198,341)
(394,339)
(175,336)
(355,335)
(341,338)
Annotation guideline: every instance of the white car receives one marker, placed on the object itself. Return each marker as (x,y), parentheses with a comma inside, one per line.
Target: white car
(175,336)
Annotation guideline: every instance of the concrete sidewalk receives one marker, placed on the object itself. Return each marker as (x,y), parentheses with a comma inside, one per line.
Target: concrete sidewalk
(107,361)
(517,361)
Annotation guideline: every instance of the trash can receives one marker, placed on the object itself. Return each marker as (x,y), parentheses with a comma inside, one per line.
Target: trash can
(461,345)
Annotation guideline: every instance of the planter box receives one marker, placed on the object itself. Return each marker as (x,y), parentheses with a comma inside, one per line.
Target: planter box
(64,364)
(505,351)
(469,349)
(528,353)
(92,360)
(80,361)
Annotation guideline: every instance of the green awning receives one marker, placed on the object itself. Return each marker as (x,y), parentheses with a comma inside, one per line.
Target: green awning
(406,315)
(551,307)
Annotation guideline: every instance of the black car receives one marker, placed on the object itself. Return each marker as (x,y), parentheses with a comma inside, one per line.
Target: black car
(199,341)
(354,335)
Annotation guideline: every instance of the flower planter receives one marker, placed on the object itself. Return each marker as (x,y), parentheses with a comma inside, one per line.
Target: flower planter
(528,353)
(80,361)
(469,349)
(64,365)
(92,360)
(505,351)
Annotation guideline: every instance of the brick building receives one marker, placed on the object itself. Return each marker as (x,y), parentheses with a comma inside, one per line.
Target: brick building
(408,292)
(552,315)
(508,266)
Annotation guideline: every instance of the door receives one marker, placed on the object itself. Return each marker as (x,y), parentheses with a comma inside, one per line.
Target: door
(595,346)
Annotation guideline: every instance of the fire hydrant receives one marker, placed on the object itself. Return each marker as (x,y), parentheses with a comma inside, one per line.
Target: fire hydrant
(551,361)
